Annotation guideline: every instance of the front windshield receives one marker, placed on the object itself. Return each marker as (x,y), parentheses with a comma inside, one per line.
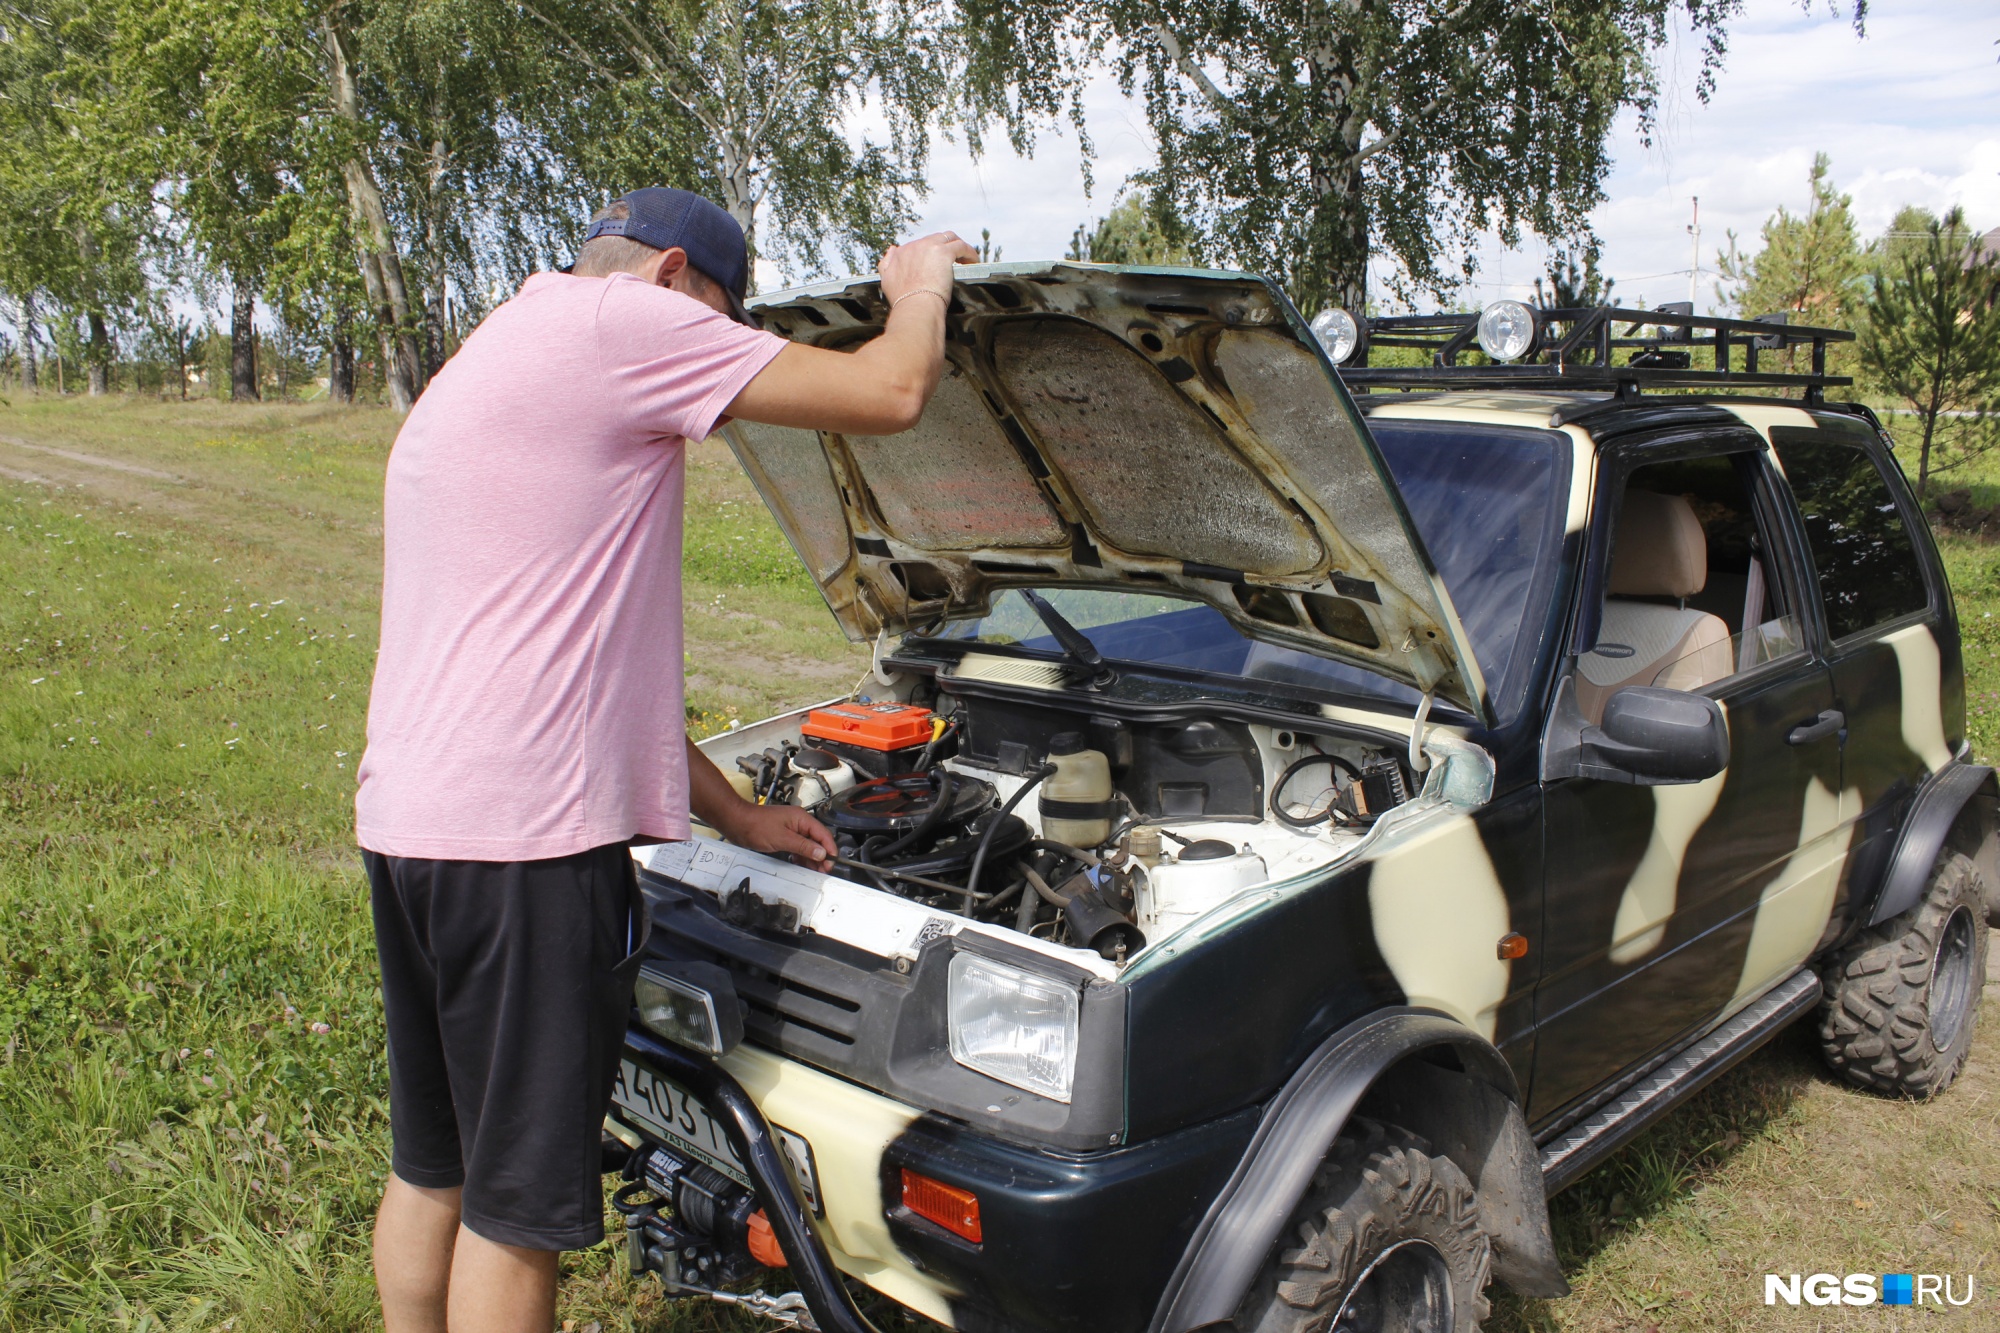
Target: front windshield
(1489,503)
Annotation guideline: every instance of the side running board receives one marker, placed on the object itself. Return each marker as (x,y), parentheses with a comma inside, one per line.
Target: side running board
(1612,1125)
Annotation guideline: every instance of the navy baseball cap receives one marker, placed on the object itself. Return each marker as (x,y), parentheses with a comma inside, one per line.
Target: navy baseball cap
(664,217)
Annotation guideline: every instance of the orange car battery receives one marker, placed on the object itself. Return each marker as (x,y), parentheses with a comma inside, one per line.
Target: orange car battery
(878,739)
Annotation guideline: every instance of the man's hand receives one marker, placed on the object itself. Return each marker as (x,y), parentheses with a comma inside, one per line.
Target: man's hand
(778,830)
(882,387)
(923,265)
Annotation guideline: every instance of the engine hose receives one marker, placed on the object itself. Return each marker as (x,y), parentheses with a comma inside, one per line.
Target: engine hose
(1064,849)
(1002,898)
(1024,915)
(1048,895)
(1034,780)
(1293,769)
(945,786)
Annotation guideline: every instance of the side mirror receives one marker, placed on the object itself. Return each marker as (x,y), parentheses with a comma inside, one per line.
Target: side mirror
(1655,737)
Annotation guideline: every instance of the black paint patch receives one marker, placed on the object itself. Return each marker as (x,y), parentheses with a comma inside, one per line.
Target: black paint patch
(1079,1243)
(1221,1026)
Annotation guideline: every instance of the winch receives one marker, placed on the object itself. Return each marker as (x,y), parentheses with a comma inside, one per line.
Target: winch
(698,1229)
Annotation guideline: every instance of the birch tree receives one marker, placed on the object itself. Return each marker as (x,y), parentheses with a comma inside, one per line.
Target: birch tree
(74,197)
(1300,138)
(761,94)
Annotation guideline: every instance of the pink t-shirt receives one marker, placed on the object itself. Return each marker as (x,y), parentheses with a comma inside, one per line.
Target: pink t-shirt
(527,698)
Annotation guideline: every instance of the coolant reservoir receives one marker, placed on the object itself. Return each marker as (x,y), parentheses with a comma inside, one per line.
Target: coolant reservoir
(1075,801)
(1204,874)
(820,774)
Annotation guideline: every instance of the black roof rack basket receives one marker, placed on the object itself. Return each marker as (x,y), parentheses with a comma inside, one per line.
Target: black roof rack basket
(1602,347)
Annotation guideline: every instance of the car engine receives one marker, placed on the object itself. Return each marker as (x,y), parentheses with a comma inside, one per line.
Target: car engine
(1090,831)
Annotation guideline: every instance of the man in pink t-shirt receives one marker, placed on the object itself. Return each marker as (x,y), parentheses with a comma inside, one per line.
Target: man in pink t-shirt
(526,723)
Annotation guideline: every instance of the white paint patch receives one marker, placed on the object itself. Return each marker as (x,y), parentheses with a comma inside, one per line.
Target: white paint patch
(1761,417)
(849,1129)
(1794,908)
(1923,686)
(1582,478)
(881,923)
(1650,895)
(1439,913)
(1523,411)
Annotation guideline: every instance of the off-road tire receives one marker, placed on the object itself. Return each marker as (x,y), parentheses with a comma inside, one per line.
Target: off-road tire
(1379,1188)
(1901,999)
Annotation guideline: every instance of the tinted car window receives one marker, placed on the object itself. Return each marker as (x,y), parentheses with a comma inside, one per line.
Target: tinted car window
(1868,569)
(1489,503)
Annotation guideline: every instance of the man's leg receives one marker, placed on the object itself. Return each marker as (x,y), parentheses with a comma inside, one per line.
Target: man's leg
(415,1234)
(501,1288)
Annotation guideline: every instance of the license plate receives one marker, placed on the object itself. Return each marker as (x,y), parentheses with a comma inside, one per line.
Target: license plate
(669,1112)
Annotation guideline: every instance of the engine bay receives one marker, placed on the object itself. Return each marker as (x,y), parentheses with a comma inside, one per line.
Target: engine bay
(1081,829)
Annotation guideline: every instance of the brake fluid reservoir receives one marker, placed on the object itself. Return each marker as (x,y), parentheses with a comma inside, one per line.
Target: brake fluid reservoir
(820,774)
(1075,801)
(1204,874)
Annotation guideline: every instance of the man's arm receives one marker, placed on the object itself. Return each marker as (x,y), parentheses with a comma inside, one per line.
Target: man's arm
(882,387)
(781,830)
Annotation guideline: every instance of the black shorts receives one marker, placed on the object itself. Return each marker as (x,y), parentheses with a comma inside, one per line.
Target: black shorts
(507,986)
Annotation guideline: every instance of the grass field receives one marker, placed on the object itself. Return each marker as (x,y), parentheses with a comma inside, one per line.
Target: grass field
(192,1130)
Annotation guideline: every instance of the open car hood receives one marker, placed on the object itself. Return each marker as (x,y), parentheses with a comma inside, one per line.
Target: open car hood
(1156,430)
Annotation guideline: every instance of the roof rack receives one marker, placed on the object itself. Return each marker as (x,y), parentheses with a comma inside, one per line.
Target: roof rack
(1579,347)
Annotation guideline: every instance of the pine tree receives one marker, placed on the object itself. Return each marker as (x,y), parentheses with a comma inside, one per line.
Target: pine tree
(1933,340)
(1811,267)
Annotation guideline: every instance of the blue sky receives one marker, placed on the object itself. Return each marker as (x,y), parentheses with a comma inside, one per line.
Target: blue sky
(1909,114)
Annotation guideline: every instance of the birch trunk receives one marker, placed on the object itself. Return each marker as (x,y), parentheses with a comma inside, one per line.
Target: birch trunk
(381,262)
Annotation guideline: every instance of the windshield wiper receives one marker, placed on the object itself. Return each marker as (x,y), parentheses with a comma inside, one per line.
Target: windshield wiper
(1081,653)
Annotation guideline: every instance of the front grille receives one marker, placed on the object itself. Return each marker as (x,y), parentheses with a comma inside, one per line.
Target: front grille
(798,996)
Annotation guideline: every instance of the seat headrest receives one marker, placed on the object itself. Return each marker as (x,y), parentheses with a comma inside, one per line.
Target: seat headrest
(1662,550)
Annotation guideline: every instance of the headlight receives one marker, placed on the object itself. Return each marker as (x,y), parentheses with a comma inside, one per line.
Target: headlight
(1340,333)
(1013,1025)
(1507,330)
(695,1006)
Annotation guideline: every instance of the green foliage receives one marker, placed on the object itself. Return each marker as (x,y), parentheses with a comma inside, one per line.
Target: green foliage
(1811,266)
(760,95)
(1299,138)
(1571,284)
(1933,341)
(1131,233)
(75,194)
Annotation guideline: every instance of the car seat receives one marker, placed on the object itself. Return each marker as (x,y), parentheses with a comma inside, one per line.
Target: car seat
(1662,552)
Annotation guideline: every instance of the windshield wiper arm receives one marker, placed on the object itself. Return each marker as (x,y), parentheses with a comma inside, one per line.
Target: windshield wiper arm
(1080,651)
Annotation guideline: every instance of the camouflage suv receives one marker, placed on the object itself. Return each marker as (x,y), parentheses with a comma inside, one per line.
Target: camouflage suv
(1301,813)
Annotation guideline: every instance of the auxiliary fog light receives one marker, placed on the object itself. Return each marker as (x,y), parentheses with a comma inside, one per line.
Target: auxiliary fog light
(1507,330)
(1013,1025)
(1341,334)
(695,1007)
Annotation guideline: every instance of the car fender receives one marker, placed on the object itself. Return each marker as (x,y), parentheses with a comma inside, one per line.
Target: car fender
(1388,1061)
(1956,804)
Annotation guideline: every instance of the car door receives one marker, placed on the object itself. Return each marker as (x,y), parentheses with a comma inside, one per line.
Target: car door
(1893,644)
(1655,894)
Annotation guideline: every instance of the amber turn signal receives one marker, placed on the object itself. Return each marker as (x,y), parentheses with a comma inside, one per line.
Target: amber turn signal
(1513,946)
(764,1247)
(952,1208)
